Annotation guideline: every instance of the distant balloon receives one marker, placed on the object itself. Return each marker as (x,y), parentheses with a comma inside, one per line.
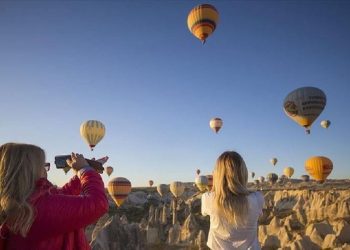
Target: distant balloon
(273,161)
(261,179)
(150,182)
(177,188)
(92,132)
(319,167)
(210,181)
(202,21)
(288,171)
(201,182)
(109,170)
(304,105)
(163,189)
(325,123)
(252,174)
(305,178)
(66,169)
(272,178)
(198,171)
(216,124)
(118,189)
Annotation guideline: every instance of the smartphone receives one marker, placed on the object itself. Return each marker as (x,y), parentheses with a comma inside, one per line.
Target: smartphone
(60,162)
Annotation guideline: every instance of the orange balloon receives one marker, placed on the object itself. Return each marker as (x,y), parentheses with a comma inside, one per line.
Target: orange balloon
(319,167)
(118,189)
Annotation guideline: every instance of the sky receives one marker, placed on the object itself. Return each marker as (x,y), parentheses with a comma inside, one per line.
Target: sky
(135,66)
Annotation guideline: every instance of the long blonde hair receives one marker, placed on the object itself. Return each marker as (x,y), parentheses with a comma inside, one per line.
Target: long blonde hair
(230,179)
(20,167)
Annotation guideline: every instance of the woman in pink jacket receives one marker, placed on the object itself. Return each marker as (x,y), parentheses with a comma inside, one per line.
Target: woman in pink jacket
(35,215)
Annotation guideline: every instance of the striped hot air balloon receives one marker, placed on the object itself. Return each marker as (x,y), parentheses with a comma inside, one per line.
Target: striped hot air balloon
(201,182)
(109,170)
(202,21)
(92,132)
(288,171)
(216,124)
(177,188)
(118,189)
(319,167)
(210,181)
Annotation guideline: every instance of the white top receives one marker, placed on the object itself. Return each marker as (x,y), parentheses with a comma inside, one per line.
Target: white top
(223,236)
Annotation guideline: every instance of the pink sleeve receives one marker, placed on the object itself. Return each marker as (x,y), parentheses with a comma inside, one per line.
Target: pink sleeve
(73,187)
(58,214)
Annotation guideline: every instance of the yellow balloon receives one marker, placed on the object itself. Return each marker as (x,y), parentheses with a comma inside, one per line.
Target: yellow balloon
(201,183)
(92,132)
(202,21)
(216,124)
(304,105)
(319,167)
(325,123)
(289,171)
(119,189)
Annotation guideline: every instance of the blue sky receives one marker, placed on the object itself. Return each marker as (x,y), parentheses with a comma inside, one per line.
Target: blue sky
(135,66)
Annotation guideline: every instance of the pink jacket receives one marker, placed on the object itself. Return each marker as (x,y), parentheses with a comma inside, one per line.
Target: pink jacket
(62,214)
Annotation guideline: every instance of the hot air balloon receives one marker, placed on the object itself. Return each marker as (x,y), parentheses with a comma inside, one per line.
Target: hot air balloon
(118,189)
(201,182)
(92,132)
(198,171)
(66,169)
(177,188)
(304,105)
(109,170)
(257,182)
(262,179)
(319,167)
(325,123)
(305,178)
(288,171)
(210,181)
(162,189)
(202,21)
(273,161)
(252,174)
(150,182)
(272,178)
(215,124)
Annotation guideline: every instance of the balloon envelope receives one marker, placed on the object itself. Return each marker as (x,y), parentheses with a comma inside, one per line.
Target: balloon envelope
(201,182)
(305,178)
(163,189)
(273,161)
(92,132)
(109,170)
(198,171)
(118,189)
(272,178)
(325,123)
(216,124)
(319,167)
(288,171)
(177,188)
(252,174)
(150,182)
(304,105)
(261,178)
(202,21)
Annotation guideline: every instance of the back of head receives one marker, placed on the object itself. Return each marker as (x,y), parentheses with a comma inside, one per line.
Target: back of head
(230,178)
(20,167)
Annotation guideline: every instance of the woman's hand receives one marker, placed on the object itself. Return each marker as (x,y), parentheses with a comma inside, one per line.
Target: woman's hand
(77,161)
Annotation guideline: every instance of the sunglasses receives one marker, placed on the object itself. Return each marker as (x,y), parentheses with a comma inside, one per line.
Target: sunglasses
(47,166)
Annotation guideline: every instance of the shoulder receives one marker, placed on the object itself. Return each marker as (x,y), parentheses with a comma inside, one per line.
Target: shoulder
(259,196)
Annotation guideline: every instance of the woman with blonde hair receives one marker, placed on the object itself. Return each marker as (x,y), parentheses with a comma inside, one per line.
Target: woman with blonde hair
(35,215)
(233,209)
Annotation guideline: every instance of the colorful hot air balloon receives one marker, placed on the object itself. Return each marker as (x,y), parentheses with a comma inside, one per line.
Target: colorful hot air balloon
(150,182)
(201,183)
(118,189)
(304,105)
(305,178)
(210,181)
(325,123)
(202,21)
(319,167)
(215,124)
(177,188)
(198,171)
(272,178)
(92,132)
(288,171)
(162,189)
(66,169)
(273,161)
(109,170)
(261,179)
